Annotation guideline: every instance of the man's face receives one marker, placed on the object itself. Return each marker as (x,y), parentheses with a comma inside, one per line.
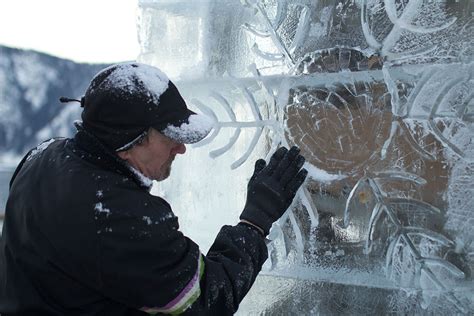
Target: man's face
(154,156)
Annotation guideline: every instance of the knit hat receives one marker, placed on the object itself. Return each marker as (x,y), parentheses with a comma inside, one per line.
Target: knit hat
(124,100)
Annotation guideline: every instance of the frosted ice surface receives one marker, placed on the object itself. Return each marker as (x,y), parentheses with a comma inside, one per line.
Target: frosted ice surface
(378,96)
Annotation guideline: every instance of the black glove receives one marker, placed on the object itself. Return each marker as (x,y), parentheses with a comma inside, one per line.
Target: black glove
(272,187)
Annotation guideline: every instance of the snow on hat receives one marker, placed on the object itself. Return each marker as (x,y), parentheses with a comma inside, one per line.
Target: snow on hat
(124,100)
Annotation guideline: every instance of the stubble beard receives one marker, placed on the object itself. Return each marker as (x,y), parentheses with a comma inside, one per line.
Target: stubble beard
(166,170)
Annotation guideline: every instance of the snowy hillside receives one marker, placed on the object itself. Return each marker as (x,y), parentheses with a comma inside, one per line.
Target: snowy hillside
(30,85)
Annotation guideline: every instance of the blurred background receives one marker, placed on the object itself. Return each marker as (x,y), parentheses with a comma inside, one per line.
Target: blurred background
(49,49)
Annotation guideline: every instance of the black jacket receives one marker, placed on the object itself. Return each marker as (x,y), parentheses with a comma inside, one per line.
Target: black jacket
(83,236)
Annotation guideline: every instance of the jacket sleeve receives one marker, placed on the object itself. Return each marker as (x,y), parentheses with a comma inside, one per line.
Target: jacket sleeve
(148,264)
(232,264)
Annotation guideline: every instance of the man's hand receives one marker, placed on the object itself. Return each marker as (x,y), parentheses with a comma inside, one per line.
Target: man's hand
(272,187)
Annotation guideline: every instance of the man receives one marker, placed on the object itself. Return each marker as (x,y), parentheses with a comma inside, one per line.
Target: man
(83,235)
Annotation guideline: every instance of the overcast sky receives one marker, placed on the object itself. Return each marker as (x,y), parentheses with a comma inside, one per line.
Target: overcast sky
(81,30)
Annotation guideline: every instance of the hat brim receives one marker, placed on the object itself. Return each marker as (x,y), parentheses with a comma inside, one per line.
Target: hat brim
(193,130)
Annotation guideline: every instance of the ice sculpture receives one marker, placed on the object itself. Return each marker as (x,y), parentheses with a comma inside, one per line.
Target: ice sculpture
(379,96)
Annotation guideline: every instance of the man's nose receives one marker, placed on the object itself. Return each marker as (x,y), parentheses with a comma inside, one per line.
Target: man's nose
(178,149)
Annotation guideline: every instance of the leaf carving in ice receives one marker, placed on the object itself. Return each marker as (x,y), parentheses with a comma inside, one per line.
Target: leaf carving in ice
(258,124)
(285,24)
(406,16)
(415,248)
(440,104)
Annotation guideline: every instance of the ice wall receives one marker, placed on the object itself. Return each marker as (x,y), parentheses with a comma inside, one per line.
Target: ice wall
(378,94)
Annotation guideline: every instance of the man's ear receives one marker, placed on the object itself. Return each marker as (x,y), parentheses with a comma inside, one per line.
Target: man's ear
(125,155)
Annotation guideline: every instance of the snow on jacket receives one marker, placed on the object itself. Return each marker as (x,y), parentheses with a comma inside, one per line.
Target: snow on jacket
(83,236)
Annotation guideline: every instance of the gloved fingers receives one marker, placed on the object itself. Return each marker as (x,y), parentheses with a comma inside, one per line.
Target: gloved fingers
(286,161)
(259,165)
(297,181)
(275,160)
(292,170)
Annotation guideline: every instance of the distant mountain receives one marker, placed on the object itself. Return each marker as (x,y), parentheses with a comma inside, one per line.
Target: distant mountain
(30,86)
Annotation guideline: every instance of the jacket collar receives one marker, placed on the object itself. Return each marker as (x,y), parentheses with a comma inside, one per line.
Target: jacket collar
(98,154)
